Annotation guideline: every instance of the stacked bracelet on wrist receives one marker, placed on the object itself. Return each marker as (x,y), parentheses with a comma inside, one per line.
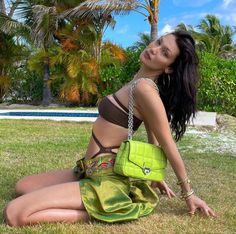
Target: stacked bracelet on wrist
(186,195)
(187,181)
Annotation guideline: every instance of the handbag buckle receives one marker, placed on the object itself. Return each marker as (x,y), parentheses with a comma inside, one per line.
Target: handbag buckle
(146,170)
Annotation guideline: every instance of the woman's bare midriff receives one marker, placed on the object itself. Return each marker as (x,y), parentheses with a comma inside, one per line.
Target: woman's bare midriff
(108,134)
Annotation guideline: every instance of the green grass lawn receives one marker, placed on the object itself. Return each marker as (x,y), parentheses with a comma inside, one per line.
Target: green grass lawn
(29,146)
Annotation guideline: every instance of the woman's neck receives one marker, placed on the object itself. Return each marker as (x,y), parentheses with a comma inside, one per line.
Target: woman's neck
(142,73)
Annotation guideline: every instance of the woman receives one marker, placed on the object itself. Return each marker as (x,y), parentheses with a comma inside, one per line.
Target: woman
(101,194)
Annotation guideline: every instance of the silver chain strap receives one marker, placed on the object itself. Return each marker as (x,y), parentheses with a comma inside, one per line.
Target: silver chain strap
(131,104)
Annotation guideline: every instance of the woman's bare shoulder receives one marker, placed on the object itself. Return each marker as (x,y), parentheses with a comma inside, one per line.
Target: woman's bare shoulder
(147,98)
(146,87)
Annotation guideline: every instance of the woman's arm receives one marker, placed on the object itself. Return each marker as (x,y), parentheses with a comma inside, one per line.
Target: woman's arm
(151,107)
(162,186)
(151,137)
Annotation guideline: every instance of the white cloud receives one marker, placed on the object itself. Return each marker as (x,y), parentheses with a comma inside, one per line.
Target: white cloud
(191,3)
(226,3)
(191,18)
(166,29)
(226,12)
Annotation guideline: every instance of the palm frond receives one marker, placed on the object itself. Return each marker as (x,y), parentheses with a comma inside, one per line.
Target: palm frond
(35,62)
(90,68)
(87,8)
(143,42)
(116,52)
(73,66)
(45,24)
(70,91)
(11,26)
(73,94)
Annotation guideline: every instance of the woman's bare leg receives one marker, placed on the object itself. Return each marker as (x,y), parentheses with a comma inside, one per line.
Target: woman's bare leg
(55,203)
(34,182)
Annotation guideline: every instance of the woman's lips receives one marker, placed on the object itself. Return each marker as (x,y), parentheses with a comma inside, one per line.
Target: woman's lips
(146,55)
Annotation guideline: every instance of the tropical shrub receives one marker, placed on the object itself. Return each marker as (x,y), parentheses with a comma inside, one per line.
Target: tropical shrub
(26,86)
(111,79)
(217,90)
(116,75)
(113,58)
(10,55)
(131,66)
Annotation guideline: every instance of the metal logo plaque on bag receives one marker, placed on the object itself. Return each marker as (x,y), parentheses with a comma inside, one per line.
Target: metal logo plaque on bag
(146,170)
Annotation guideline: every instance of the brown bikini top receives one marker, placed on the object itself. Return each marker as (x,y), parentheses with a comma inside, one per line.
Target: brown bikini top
(110,112)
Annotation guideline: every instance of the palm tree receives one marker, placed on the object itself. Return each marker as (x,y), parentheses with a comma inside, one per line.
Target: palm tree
(107,7)
(183,27)
(42,21)
(144,41)
(93,27)
(75,41)
(44,25)
(100,23)
(214,37)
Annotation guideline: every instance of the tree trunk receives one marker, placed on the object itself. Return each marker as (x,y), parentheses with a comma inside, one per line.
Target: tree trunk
(2,7)
(100,48)
(97,48)
(153,31)
(46,84)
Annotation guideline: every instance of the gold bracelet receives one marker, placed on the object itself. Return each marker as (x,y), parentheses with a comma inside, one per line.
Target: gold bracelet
(187,181)
(186,195)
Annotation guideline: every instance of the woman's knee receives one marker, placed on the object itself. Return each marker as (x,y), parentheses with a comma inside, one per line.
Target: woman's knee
(23,186)
(13,216)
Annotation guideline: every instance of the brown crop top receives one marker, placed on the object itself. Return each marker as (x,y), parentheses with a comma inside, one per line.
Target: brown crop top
(110,112)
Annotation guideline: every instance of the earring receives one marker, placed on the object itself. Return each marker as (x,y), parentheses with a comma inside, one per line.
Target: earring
(168,80)
(164,81)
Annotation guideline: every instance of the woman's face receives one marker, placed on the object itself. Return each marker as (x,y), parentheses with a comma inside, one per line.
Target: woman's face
(160,54)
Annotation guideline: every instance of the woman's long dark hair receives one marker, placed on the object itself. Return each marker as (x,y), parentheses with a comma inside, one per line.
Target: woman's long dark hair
(178,91)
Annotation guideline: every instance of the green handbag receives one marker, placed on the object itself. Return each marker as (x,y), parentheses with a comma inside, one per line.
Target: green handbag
(139,159)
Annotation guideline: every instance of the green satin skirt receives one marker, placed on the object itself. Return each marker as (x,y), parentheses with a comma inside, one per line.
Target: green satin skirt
(110,197)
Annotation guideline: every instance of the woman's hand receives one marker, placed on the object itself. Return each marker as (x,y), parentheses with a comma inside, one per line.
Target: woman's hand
(164,188)
(195,203)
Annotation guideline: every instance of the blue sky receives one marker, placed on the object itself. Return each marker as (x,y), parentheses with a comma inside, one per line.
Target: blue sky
(172,12)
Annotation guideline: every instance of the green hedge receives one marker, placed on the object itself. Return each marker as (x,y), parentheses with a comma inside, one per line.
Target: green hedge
(217,91)
(114,77)
(26,86)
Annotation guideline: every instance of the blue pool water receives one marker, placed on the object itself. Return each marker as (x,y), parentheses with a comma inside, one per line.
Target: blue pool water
(49,114)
